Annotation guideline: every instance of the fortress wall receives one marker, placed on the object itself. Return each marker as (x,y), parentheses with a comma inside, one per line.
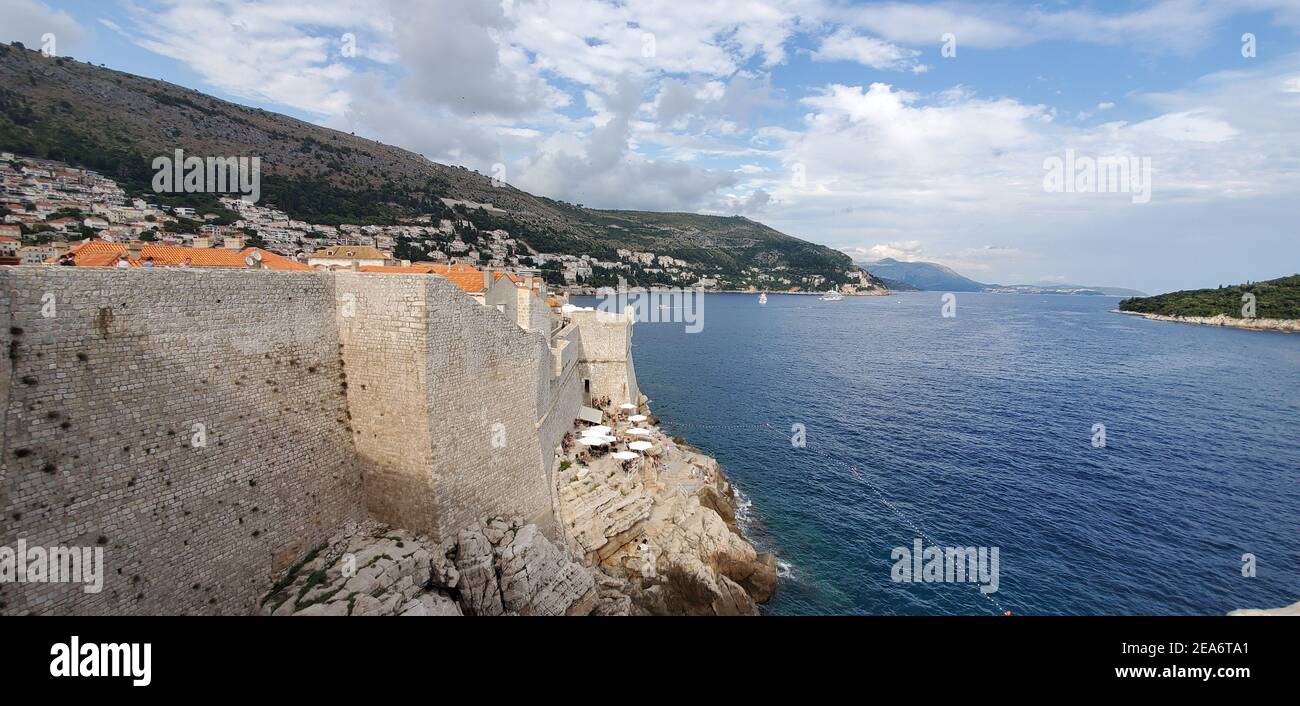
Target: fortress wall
(101,430)
(382,323)
(208,428)
(487,380)
(607,355)
(559,411)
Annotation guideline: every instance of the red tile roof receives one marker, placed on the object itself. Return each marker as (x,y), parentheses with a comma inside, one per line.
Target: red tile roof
(467,278)
(98,253)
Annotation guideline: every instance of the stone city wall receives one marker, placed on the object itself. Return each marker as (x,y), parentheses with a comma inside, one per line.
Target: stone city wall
(209,428)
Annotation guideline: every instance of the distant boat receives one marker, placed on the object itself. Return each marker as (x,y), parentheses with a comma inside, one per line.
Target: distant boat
(762,298)
(831,296)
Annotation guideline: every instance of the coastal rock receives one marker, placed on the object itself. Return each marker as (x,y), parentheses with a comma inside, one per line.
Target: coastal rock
(602,511)
(1281,325)
(761,584)
(479,590)
(537,579)
(696,589)
(494,567)
(713,499)
(704,561)
(431,603)
(1293,610)
(375,571)
(667,530)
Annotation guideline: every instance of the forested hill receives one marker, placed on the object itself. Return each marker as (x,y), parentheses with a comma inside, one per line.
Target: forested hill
(1274,299)
(115,123)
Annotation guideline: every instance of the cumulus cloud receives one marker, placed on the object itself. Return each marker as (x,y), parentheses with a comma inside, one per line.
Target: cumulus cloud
(271,52)
(601,169)
(454,59)
(668,105)
(906,250)
(845,45)
(27,21)
(753,204)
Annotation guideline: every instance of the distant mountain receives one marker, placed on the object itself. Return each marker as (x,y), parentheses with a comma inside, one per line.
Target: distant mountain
(932,276)
(898,286)
(115,123)
(1274,299)
(922,275)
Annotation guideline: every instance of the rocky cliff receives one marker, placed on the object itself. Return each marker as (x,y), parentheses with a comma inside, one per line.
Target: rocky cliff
(1280,325)
(655,537)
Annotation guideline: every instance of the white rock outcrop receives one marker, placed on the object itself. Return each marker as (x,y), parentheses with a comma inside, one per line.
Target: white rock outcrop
(1282,325)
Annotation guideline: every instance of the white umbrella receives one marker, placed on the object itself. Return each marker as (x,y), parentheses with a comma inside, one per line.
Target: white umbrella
(639,432)
(594,440)
(596,431)
(624,455)
(627,405)
(640,446)
(637,418)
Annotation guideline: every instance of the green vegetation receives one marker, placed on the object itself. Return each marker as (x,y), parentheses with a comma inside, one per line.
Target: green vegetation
(316,200)
(1274,299)
(287,580)
(115,124)
(54,139)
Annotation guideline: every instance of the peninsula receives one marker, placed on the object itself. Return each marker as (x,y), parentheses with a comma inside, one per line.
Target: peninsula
(1271,305)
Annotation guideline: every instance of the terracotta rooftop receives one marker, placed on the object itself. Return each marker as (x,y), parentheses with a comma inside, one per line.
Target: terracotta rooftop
(98,253)
(467,278)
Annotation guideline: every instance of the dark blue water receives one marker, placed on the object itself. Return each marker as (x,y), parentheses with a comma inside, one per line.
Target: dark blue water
(978,430)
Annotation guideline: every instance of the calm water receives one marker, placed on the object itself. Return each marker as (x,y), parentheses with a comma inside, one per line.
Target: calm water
(978,431)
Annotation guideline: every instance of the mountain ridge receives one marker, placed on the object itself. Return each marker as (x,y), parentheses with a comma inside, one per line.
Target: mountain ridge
(932,276)
(115,122)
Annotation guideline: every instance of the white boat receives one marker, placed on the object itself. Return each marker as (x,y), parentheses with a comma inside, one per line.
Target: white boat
(831,296)
(762,298)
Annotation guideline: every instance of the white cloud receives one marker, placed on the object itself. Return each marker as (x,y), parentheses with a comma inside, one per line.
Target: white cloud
(973,26)
(261,52)
(907,250)
(1187,126)
(27,21)
(845,45)
(454,58)
(670,105)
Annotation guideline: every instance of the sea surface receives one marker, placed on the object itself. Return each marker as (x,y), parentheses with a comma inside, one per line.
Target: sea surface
(978,431)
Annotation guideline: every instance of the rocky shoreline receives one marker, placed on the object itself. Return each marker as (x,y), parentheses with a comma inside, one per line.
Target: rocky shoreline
(666,527)
(1281,325)
(1293,610)
(657,536)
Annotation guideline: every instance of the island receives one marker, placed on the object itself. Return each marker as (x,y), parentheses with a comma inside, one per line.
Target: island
(1271,305)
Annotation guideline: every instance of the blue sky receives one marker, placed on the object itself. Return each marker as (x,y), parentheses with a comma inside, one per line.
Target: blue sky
(839,122)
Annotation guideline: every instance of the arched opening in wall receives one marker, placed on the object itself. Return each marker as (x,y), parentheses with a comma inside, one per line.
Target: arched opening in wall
(586,391)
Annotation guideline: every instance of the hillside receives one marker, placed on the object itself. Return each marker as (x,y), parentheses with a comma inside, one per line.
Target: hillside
(931,276)
(899,286)
(922,275)
(1274,299)
(116,123)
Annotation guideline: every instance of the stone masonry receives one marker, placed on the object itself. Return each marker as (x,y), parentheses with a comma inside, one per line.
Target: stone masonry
(208,428)
(190,423)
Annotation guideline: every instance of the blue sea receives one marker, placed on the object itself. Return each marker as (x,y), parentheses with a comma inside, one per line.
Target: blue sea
(978,430)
